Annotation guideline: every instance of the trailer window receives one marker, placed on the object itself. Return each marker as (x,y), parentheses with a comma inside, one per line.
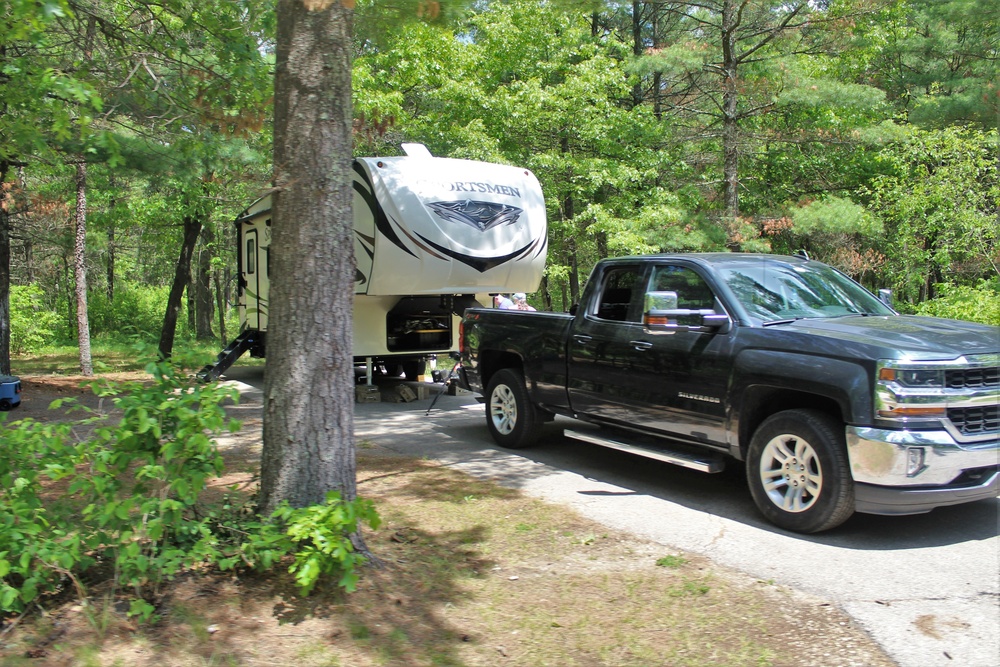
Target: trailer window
(251,256)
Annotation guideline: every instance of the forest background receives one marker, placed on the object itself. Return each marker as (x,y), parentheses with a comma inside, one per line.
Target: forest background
(862,131)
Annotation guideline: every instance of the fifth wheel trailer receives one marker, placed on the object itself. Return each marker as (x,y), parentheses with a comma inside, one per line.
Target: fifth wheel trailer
(432,237)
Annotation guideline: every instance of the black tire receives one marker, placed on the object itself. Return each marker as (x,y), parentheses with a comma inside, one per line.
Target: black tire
(798,471)
(414,368)
(513,420)
(5,405)
(393,369)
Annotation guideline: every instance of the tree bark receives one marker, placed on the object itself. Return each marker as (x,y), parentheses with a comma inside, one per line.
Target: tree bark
(5,208)
(192,227)
(204,305)
(80,270)
(730,100)
(308,434)
(637,49)
(110,267)
(220,305)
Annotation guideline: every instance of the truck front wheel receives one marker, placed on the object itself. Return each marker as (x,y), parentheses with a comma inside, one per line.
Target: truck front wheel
(798,472)
(512,418)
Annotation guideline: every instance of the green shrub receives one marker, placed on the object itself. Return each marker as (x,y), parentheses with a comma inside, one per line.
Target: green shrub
(963,302)
(32,324)
(129,495)
(137,311)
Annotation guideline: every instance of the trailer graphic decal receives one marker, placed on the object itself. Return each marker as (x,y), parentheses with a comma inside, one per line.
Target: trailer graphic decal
(479,214)
(481,264)
(381,223)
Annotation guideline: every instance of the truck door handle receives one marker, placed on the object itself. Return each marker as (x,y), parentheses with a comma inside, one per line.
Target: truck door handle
(640,345)
(580,339)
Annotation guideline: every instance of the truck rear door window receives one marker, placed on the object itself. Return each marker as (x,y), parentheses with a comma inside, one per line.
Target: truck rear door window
(618,294)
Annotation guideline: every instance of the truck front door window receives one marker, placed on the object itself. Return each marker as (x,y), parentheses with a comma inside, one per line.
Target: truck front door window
(692,291)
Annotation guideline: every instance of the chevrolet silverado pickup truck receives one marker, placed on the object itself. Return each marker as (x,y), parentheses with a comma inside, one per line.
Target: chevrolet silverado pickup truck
(832,401)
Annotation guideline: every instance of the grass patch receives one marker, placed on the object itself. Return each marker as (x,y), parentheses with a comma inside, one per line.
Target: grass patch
(108,357)
(671,561)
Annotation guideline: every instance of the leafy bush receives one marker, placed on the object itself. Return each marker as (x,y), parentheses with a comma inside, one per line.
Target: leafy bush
(964,302)
(129,496)
(137,310)
(32,324)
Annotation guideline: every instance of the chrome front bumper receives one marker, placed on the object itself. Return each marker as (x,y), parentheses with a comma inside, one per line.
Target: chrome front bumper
(908,472)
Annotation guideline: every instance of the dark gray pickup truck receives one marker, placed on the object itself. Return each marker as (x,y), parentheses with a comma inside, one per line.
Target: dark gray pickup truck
(834,402)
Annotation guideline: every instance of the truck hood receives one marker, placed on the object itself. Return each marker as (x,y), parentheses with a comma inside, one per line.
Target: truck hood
(907,335)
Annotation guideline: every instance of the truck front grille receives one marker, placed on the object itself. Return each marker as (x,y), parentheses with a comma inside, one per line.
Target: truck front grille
(973,378)
(977,420)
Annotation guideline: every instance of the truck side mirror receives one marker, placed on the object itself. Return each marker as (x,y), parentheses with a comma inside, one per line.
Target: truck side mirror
(656,317)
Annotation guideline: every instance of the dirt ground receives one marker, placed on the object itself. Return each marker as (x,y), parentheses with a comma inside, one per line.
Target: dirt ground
(38,392)
(538,587)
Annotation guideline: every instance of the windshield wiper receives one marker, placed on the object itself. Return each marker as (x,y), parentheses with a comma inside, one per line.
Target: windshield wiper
(771,323)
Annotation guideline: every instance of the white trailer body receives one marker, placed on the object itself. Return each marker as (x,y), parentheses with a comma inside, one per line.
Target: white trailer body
(432,237)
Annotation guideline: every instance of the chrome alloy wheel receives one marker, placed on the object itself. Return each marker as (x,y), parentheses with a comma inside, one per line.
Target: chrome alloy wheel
(790,473)
(503,409)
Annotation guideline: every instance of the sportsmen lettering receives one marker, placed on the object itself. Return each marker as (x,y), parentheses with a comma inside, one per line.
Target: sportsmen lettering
(470,186)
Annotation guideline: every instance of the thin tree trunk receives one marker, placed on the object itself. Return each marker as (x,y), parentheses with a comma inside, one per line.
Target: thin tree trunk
(730,122)
(111,262)
(204,304)
(220,305)
(637,49)
(308,434)
(80,269)
(6,204)
(192,227)
(190,293)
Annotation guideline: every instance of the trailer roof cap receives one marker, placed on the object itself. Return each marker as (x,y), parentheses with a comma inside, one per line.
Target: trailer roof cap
(416,150)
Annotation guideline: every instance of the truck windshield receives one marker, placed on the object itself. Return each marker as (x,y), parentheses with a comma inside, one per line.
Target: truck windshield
(777,292)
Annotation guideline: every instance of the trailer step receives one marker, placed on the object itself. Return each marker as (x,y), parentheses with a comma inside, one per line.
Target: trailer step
(705,462)
(245,341)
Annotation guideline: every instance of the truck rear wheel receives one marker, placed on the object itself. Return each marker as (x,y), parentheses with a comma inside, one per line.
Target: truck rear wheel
(512,418)
(798,472)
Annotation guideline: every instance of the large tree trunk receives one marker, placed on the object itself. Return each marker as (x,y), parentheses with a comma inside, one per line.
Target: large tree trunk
(192,227)
(6,204)
(309,378)
(80,269)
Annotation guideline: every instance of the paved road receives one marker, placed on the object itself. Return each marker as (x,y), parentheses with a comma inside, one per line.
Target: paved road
(926,587)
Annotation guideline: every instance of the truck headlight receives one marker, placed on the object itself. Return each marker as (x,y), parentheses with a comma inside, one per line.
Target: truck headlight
(912,377)
(910,390)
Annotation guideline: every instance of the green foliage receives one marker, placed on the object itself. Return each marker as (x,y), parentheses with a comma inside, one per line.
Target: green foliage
(834,215)
(137,310)
(32,325)
(323,535)
(938,202)
(980,303)
(129,495)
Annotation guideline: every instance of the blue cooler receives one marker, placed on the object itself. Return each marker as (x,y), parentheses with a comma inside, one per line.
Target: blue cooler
(10,392)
